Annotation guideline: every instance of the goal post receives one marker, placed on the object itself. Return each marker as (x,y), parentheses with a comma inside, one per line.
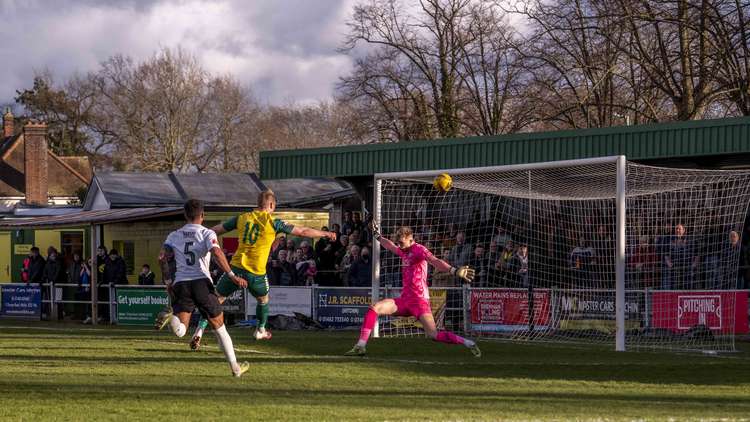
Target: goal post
(375,293)
(620,254)
(600,266)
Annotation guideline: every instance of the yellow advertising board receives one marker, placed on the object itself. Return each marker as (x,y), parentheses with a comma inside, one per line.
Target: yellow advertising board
(438,299)
(22,249)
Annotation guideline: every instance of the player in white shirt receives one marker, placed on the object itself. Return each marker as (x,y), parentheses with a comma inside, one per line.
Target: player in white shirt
(192,288)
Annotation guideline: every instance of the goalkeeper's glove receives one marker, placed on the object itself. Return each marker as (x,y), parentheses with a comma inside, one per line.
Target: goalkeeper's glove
(465,272)
(375,228)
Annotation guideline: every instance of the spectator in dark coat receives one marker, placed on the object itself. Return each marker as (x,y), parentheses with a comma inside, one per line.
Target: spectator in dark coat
(358,224)
(278,244)
(54,272)
(115,272)
(84,292)
(102,260)
(146,277)
(681,259)
(74,269)
(342,249)
(580,260)
(324,249)
(73,276)
(479,262)
(519,266)
(36,266)
(360,273)
(281,270)
(346,262)
(336,228)
(460,254)
(321,243)
(288,273)
(348,225)
(730,256)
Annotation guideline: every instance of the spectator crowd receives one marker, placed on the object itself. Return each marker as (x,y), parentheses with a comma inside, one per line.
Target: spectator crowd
(671,259)
(345,262)
(503,255)
(57,269)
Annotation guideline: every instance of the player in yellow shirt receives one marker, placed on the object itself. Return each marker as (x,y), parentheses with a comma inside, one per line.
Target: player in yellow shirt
(256,233)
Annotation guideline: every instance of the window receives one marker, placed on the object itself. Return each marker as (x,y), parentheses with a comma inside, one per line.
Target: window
(70,243)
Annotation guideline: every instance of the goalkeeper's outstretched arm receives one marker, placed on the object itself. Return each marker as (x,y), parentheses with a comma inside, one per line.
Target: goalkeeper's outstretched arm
(388,244)
(384,241)
(465,272)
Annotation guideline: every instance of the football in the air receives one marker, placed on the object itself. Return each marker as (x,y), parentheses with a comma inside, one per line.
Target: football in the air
(443,182)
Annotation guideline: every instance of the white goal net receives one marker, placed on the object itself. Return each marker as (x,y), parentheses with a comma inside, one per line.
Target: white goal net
(543,240)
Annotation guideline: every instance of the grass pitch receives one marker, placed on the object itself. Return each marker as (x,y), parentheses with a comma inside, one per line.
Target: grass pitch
(65,372)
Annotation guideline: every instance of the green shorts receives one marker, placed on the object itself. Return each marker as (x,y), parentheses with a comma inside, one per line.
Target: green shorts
(257,285)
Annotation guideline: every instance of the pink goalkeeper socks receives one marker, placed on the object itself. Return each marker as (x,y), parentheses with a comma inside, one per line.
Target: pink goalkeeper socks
(448,337)
(369,323)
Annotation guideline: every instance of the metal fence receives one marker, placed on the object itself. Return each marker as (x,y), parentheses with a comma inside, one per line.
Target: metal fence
(335,307)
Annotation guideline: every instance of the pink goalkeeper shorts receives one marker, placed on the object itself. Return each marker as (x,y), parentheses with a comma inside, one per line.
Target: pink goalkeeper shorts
(415,307)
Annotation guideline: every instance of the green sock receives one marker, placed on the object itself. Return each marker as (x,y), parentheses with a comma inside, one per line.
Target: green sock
(261,313)
(202,324)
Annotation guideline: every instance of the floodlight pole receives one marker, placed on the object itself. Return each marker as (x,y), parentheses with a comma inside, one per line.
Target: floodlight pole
(375,293)
(620,255)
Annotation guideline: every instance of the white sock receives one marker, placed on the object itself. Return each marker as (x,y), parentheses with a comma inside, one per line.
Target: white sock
(198,332)
(177,327)
(225,343)
(469,343)
(361,343)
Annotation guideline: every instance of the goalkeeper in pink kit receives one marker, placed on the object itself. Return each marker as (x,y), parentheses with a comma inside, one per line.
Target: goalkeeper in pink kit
(415,296)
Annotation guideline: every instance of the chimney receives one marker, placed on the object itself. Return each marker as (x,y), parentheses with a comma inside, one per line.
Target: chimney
(8,120)
(35,163)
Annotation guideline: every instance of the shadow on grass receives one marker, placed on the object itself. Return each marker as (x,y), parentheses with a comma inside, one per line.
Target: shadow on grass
(395,397)
(417,356)
(165,357)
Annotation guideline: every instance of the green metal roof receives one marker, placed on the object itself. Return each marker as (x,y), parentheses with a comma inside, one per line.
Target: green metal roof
(644,142)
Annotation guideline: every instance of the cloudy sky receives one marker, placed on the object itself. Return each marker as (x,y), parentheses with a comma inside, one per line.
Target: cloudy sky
(285,50)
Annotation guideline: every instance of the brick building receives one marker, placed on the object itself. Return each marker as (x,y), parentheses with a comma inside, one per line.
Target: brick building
(33,179)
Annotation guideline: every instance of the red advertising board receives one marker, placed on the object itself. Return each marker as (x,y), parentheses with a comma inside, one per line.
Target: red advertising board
(230,244)
(508,307)
(679,311)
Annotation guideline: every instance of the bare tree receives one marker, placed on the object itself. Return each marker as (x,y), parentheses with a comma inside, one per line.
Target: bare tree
(428,40)
(444,68)
(729,37)
(669,43)
(66,109)
(232,135)
(158,110)
(386,89)
(491,73)
(573,56)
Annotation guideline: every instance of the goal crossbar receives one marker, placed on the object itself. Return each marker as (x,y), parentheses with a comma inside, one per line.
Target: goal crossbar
(502,169)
